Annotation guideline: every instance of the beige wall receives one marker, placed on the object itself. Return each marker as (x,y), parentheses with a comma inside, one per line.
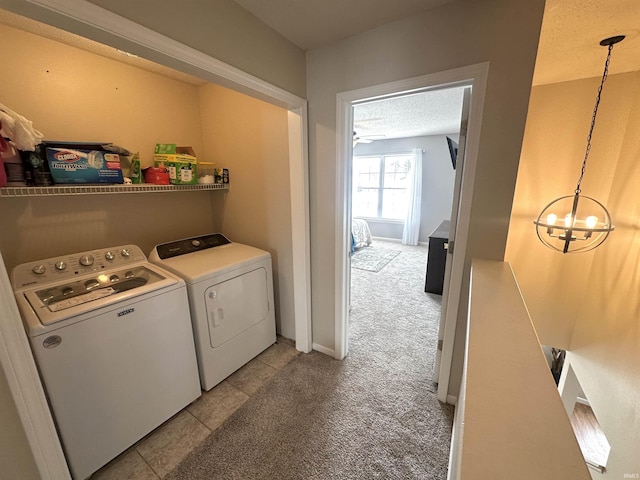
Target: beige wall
(459,34)
(107,100)
(16,460)
(73,95)
(225,31)
(587,302)
(250,137)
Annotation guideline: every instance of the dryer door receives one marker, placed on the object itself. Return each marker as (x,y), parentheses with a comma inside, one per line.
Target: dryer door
(236,305)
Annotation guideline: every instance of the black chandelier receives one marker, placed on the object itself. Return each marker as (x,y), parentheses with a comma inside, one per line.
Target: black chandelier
(577,223)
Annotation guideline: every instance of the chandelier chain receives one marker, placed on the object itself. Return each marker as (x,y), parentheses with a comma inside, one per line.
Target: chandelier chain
(593,119)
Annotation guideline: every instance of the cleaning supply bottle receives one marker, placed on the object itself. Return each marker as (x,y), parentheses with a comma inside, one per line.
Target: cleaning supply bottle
(13,166)
(135,174)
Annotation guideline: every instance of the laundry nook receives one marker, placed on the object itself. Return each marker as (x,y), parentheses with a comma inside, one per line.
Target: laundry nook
(129,160)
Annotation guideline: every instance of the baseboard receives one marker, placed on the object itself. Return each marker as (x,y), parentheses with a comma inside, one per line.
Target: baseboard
(397,240)
(322,349)
(583,401)
(386,239)
(452,399)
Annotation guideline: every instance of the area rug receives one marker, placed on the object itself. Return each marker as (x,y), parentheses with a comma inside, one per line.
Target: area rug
(372,258)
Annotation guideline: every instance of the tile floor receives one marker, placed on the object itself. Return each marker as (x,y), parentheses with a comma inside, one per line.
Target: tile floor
(161,451)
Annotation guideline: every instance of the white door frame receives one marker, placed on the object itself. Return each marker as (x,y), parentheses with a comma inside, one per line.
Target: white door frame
(472,75)
(455,208)
(88,20)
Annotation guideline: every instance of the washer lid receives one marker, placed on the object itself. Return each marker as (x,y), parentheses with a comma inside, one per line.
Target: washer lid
(56,302)
(197,266)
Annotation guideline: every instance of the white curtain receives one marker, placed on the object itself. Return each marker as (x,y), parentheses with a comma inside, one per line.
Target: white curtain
(411,230)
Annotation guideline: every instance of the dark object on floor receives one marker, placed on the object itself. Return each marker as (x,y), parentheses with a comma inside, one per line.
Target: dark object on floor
(556,363)
(437,259)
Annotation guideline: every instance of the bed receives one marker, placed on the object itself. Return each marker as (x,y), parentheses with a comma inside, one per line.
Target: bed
(360,233)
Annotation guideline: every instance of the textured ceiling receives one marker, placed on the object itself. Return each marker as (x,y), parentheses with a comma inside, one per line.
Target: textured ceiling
(427,113)
(571,32)
(314,23)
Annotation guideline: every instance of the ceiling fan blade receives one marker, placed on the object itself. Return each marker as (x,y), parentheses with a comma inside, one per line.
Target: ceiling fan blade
(365,138)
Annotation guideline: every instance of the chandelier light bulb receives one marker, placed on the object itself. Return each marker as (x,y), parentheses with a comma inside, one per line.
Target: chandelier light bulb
(591,221)
(567,220)
(552,218)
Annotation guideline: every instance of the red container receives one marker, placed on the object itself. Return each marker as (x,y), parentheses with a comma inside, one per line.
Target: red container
(156,175)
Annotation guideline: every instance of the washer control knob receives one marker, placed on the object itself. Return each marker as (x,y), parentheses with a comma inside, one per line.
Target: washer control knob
(39,269)
(129,274)
(195,243)
(126,253)
(109,255)
(114,278)
(67,291)
(93,283)
(61,265)
(86,260)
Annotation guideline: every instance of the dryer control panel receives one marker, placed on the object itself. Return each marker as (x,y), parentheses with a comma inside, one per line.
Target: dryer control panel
(190,245)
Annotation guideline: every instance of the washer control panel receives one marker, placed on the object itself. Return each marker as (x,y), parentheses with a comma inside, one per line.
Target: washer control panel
(69,266)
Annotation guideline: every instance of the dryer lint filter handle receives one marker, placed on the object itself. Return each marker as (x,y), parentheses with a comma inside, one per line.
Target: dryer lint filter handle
(217,314)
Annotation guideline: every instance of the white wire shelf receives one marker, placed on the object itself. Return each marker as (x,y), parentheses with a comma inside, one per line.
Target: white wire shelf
(104,189)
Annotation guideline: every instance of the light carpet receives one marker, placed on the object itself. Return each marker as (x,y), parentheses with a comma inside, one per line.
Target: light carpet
(373,415)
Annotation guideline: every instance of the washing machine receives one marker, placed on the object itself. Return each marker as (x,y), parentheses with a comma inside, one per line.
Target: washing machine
(230,288)
(111,336)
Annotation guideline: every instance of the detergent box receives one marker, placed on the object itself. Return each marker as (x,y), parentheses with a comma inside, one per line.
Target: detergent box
(181,162)
(82,163)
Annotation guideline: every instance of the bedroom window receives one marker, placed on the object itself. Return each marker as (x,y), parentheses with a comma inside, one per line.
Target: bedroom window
(381,186)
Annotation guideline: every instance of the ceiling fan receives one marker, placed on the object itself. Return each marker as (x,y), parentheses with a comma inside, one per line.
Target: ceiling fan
(365,138)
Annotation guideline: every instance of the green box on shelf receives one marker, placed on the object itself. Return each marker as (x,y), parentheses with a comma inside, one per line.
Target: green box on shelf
(181,162)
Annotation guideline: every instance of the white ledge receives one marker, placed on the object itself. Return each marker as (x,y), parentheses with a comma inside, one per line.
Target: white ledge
(510,421)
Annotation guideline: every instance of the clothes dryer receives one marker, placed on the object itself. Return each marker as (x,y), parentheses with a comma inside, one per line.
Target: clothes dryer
(230,289)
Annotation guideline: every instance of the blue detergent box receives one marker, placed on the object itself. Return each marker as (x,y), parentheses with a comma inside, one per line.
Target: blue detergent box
(83,163)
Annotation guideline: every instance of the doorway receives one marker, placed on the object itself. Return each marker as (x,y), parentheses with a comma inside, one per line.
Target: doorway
(403,174)
(474,76)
